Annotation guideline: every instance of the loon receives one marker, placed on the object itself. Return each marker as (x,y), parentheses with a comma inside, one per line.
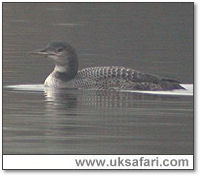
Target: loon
(67,75)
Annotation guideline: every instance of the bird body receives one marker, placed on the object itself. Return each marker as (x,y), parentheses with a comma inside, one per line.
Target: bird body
(66,74)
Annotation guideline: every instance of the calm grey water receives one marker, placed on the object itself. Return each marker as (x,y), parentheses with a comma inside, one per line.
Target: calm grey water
(151,37)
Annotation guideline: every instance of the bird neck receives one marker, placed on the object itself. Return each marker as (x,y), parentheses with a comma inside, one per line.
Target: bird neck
(66,71)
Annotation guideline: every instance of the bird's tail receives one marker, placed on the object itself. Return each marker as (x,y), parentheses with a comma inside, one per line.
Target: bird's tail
(170,84)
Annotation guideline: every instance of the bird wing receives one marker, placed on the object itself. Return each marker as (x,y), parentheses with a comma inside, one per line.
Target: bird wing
(121,77)
(121,73)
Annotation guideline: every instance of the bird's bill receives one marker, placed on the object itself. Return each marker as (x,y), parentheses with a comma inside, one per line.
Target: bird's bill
(39,52)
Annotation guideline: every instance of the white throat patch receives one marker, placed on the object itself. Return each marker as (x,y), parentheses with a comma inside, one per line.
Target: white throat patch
(60,68)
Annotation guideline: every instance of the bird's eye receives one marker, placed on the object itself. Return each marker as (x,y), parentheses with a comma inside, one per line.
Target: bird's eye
(60,50)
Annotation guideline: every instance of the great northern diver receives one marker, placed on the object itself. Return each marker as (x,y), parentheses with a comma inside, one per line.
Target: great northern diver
(66,74)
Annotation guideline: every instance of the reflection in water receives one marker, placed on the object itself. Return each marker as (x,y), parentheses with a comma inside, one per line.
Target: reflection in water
(96,122)
(112,122)
(65,98)
(73,98)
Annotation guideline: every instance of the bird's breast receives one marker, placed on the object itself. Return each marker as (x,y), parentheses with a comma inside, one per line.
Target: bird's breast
(52,81)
